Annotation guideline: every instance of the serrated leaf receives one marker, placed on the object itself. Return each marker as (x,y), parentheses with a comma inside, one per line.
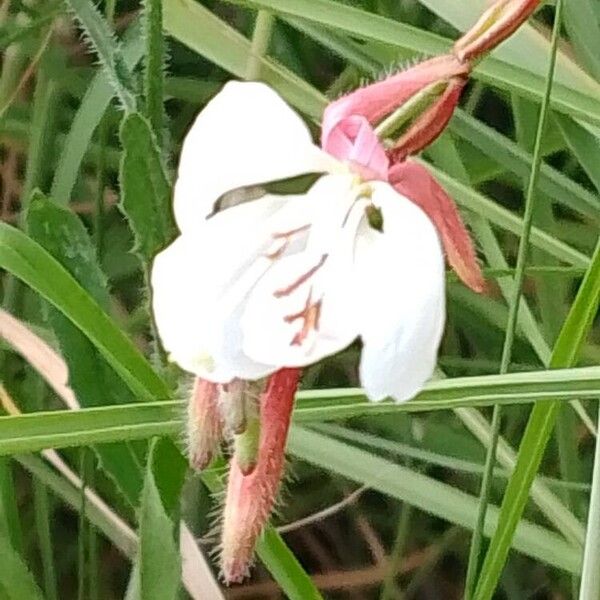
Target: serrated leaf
(108,49)
(88,116)
(16,583)
(145,189)
(93,380)
(154,67)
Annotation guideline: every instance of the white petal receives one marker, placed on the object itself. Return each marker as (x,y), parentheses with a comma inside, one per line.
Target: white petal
(400,278)
(246,135)
(200,284)
(301,310)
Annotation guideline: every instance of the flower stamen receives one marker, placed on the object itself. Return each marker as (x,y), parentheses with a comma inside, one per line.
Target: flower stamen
(311,314)
(302,279)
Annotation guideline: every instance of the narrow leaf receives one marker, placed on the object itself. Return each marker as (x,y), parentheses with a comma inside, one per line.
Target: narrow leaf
(17,583)
(159,560)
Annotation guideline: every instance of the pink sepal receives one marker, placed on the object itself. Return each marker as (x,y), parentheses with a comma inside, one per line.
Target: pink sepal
(414,181)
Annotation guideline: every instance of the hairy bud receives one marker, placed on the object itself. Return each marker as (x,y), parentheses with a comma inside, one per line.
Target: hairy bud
(204,424)
(250,498)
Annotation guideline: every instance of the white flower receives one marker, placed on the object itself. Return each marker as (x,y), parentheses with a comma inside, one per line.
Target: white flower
(284,281)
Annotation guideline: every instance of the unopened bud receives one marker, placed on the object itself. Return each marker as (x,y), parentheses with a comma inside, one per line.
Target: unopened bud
(496,24)
(250,498)
(232,402)
(204,424)
(430,124)
(376,101)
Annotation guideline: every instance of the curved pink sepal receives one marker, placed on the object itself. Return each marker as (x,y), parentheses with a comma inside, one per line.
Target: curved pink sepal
(414,181)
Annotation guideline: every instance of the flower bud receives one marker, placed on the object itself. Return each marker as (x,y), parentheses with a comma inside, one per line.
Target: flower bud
(250,498)
(204,424)
(430,124)
(496,24)
(374,102)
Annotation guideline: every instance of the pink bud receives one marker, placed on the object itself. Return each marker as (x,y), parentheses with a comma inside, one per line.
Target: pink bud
(376,101)
(204,425)
(496,24)
(250,498)
(414,181)
(428,126)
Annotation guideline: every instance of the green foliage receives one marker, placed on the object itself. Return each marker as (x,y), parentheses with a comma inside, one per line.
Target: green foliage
(159,563)
(154,68)
(74,115)
(17,582)
(103,40)
(145,189)
(92,379)
(28,261)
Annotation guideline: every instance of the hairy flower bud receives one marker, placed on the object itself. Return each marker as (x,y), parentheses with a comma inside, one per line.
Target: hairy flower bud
(204,424)
(250,498)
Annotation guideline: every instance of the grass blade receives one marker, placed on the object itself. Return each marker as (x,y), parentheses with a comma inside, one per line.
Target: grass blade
(590,576)
(539,430)
(28,261)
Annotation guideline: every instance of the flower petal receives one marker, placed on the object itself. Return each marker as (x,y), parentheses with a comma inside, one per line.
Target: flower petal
(301,310)
(246,135)
(201,281)
(400,294)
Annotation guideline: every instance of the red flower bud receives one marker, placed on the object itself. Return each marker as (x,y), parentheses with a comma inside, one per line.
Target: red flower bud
(250,498)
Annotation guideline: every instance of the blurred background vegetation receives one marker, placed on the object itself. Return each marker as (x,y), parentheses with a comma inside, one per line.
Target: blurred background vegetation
(401,487)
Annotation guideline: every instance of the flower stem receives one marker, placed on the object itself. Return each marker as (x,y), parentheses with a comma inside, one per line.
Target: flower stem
(476,542)
(260,43)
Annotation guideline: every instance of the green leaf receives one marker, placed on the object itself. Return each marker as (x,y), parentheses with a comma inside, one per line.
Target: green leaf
(159,562)
(198,28)
(575,94)
(59,429)
(93,380)
(145,189)
(89,114)
(538,431)
(108,49)
(425,493)
(28,261)
(285,568)
(590,576)
(154,67)
(16,583)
